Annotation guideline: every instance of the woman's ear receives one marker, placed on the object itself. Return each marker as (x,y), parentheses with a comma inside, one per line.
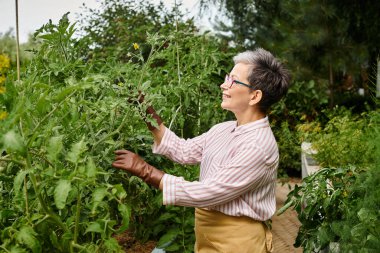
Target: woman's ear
(256,97)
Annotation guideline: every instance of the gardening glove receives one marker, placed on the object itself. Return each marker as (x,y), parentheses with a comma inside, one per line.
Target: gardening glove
(149,111)
(133,163)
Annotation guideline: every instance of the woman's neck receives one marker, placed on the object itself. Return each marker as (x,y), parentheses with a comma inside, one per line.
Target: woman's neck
(248,117)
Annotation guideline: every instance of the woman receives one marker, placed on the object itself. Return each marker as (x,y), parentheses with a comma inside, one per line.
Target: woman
(235,193)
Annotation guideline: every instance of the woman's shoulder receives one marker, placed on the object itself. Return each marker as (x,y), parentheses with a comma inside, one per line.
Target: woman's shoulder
(223,126)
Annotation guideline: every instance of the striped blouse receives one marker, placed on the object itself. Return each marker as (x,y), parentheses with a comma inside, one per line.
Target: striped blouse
(237,174)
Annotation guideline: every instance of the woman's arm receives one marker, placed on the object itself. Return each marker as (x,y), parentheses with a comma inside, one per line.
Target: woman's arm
(167,143)
(247,171)
(158,134)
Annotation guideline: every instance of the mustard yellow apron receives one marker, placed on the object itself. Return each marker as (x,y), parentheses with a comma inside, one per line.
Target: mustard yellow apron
(216,232)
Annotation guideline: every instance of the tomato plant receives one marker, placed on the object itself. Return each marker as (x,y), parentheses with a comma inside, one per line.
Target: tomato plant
(70,112)
(56,144)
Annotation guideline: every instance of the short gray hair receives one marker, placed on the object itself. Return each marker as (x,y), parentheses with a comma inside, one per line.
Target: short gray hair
(266,74)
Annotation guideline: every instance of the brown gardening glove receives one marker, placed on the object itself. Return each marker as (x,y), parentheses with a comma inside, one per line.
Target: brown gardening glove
(149,110)
(133,163)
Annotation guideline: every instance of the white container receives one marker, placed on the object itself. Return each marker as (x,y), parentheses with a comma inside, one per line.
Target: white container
(309,165)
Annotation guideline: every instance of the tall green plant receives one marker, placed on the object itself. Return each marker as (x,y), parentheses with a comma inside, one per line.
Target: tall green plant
(56,144)
(339,203)
(182,82)
(67,116)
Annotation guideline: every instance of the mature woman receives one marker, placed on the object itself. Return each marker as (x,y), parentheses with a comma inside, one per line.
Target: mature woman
(235,193)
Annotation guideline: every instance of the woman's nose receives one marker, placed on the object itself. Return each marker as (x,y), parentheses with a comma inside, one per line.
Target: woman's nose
(223,86)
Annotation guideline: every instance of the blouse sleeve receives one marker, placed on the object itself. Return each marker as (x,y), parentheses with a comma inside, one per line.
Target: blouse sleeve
(245,172)
(180,150)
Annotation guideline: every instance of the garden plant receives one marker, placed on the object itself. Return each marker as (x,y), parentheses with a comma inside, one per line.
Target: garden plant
(67,116)
(338,206)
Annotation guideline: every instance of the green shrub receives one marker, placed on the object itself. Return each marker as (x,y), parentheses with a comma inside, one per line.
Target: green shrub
(340,202)
(343,140)
(302,104)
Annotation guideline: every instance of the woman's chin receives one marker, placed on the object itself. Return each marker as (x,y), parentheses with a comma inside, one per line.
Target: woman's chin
(225,106)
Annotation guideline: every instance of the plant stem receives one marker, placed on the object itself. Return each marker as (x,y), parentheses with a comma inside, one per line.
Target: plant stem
(175,115)
(42,157)
(183,229)
(71,247)
(75,245)
(46,117)
(45,208)
(63,48)
(144,67)
(88,122)
(199,95)
(25,178)
(13,161)
(1,247)
(77,216)
(26,197)
(147,62)
(176,42)
(112,133)
(177,56)
(52,215)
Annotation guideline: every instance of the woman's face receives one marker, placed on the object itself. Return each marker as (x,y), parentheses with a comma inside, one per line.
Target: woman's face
(237,97)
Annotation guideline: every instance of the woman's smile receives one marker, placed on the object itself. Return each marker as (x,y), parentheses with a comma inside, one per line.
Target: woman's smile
(225,96)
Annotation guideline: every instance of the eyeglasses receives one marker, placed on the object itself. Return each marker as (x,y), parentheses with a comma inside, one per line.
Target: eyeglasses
(229,81)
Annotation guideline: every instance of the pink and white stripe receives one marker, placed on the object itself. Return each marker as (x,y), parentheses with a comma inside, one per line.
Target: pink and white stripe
(237,174)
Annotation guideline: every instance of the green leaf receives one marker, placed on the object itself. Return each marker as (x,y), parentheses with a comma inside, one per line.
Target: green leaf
(366,216)
(65,92)
(54,239)
(97,197)
(112,245)
(167,238)
(16,249)
(358,230)
(173,247)
(372,241)
(19,180)
(43,104)
(76,150)
(90,168)
(13,142)
(119,192)
(54,147)
(166,216)
(61,192)
(42,86)
(323,235)
(125,211)
(94,227)
(26,236)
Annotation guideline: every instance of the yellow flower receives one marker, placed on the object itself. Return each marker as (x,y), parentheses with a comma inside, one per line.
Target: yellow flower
(2,89)
(136,46)
(2,80)
(5,63)
(3,115)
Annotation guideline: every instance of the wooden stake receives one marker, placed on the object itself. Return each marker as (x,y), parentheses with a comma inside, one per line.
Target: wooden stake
(18,44)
